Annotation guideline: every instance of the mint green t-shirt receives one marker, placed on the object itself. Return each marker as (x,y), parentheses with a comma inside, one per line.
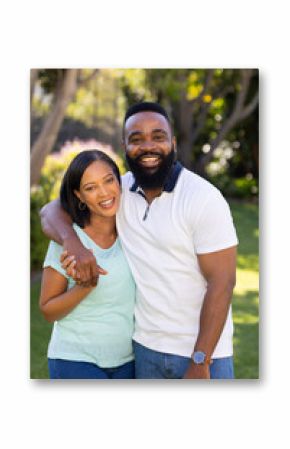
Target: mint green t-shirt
(99,329)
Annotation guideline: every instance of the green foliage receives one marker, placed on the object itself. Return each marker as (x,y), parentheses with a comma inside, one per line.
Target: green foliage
(38,242)
(243,188)
(49,78)
(208,99)
(198,100)
(52,173)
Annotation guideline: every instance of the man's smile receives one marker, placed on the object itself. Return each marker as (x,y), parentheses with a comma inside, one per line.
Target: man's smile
(149,161)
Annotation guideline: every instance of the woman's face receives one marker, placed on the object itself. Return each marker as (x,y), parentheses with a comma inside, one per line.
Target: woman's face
(100,189)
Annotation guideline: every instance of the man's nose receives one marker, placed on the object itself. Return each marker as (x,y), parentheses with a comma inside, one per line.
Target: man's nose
(147,145)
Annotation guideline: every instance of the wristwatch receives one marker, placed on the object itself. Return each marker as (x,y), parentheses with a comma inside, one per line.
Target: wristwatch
(200,358)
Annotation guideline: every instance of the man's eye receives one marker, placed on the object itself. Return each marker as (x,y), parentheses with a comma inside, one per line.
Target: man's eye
(159,137)
(109,180)
(135,140)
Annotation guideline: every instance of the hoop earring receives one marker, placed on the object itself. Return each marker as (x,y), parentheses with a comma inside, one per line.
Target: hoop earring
(82,206)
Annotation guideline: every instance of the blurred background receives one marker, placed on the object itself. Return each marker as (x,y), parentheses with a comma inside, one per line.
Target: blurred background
(215,118)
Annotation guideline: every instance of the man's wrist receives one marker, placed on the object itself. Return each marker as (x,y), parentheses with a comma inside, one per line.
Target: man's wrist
(200,357)
(69,237)
(68,233)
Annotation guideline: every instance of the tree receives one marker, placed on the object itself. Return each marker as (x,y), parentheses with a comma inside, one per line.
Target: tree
(239,112)
(62,84)
(64,89)
(205,105)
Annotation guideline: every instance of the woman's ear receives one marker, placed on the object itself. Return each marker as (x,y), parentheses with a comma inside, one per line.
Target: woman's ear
(77,194)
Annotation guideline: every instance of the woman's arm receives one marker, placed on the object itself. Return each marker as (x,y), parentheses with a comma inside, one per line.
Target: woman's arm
(55,300)
(57,225)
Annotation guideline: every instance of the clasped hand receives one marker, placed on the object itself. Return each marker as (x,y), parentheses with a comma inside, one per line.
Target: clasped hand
(83,268)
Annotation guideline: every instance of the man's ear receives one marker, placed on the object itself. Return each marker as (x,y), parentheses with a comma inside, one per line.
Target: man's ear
(174,144)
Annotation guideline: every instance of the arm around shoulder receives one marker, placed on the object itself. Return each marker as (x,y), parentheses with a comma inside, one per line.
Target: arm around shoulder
(57,225)
(55,222)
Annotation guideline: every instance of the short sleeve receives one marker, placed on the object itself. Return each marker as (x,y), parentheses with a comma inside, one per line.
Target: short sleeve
(215,229)
(52,258)
(127,180)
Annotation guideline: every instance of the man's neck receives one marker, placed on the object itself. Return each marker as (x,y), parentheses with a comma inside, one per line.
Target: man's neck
(152,194)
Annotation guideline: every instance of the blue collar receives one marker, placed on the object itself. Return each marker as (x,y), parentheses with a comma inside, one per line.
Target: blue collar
(171,179)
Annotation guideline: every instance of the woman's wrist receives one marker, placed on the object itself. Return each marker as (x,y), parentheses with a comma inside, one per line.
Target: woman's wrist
(82,291)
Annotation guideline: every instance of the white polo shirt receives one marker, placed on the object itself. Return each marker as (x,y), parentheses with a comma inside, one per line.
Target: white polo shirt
(161,242)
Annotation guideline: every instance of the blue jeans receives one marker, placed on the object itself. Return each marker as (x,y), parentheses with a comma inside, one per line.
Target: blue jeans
(68,369)
(151,364)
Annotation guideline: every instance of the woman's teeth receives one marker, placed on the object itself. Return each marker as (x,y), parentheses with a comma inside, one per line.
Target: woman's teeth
(107,203)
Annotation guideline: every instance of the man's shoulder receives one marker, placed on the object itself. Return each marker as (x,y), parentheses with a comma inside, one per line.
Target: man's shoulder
(194,183)
(127,180)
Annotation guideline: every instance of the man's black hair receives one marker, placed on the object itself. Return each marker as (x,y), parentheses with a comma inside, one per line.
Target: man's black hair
(72,179)
(146,106)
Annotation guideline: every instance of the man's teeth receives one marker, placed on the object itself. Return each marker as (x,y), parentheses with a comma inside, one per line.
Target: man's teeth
(107,202)
(149,158)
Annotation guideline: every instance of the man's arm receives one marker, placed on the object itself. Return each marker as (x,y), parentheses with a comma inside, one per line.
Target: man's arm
(57,225)
(219,269)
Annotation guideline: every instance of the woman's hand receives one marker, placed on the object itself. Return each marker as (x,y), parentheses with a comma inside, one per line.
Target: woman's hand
(85,271)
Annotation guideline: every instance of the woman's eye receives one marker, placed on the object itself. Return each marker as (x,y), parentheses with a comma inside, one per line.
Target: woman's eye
(110,180)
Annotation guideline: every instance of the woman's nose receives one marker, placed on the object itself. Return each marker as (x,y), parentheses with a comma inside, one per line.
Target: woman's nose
(103,191)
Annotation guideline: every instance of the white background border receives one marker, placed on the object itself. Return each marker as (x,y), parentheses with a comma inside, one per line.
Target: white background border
(238,414)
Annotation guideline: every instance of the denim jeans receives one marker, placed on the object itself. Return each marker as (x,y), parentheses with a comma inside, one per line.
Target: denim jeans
(68,369)
(151,364)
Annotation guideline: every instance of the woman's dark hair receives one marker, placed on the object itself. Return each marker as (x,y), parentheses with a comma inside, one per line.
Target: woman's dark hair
(72,179)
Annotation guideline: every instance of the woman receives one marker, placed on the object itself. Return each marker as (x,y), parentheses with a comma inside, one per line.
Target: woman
(93,326)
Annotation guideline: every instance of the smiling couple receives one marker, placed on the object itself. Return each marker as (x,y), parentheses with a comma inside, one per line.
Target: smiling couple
(145,285)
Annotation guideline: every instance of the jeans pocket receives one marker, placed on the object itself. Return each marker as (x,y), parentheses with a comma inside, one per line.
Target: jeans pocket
(175,366)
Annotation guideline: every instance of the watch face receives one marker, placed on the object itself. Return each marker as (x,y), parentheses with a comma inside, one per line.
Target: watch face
(199,357)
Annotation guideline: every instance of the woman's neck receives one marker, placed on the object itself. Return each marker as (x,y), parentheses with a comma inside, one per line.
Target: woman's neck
(102,230)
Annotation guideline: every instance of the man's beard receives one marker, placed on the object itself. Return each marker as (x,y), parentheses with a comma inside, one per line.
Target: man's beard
(148,180)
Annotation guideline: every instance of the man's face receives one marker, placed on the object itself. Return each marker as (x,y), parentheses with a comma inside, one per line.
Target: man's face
(150,148)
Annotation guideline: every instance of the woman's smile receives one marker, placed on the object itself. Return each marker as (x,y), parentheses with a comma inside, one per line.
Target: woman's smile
(107,204)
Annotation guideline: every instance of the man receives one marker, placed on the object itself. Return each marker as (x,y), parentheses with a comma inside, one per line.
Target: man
(177,232)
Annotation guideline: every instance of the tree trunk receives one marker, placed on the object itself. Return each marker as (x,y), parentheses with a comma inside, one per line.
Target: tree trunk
(188,129)
(183,113)
(239,113)
(33,79)
(47,137)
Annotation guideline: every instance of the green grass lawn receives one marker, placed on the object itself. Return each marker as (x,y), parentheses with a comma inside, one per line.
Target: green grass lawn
(246,293)
(245,303)
(40,334)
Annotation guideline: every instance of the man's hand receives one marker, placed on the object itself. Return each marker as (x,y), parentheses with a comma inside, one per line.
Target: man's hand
(81,263)
(197,371)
